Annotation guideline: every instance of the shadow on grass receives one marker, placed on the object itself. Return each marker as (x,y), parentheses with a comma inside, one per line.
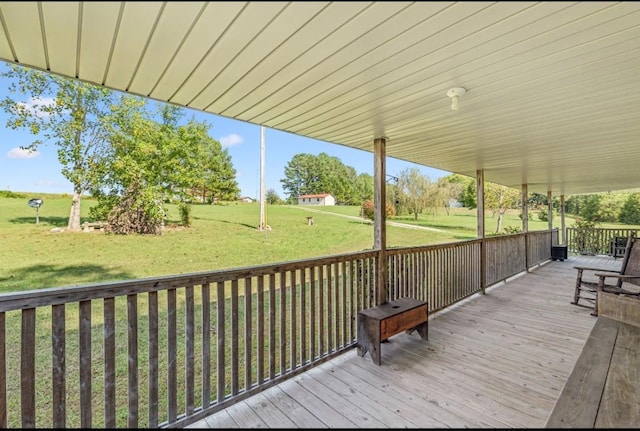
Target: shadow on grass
(255,227)
(53,221)
(45,276)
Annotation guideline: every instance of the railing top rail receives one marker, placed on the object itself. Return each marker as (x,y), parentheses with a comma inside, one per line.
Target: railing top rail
(62,295)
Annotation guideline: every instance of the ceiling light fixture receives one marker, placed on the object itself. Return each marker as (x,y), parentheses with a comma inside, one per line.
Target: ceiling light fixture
(455,93)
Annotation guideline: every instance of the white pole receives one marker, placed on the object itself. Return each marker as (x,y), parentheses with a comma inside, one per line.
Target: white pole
(263,222)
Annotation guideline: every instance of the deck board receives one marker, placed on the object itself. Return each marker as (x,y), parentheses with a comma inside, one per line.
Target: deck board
(494,361)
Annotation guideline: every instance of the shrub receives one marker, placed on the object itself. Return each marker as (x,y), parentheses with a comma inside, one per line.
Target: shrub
(185,213)
(367,210)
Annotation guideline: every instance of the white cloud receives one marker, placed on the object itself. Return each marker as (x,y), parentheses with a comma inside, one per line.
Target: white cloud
(230,140)
(20,153)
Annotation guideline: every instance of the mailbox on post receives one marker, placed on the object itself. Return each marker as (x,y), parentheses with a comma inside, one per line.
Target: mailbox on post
(36,203)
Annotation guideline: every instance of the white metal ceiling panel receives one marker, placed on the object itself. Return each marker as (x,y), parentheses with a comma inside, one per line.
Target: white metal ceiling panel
(278,32)
(204,34)
(553,98)
(173,26)
(61,35)
(339,18)
(247,26)
(23,27)
(99,23)
(134,31)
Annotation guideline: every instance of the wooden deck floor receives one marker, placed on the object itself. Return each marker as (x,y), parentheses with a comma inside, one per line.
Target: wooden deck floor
(498,360)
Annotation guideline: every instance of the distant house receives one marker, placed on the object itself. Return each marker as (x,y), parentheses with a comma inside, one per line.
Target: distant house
(246,199)
(325,199)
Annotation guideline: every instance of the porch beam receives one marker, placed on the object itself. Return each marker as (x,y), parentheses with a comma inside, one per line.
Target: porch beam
(563,227)
(550,209)
(379,220)
(525,208)
(525,223)
(480,227)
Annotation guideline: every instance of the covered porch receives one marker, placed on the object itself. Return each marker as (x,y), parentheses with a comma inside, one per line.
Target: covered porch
(498,360)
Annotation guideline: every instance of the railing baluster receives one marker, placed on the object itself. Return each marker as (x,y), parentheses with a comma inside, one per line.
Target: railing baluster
(109,342)
(28,368)
(293,319)
(132,331)
(206,345)
(172,355)
(283,324)
(190,350)
(58,374)
(260,323)
(235,363)
(85,364)
(153,359)
(220,333)
(272,326)
(248,333)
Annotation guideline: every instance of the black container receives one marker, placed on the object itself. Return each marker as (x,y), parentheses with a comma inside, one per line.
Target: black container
(559,252)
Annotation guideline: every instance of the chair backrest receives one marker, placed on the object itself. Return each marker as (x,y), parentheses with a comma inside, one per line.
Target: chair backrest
(631,260)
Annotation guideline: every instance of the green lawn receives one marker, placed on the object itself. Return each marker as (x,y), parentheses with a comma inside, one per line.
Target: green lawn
(222,236)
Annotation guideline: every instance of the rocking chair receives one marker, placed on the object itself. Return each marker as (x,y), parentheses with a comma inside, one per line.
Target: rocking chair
(629,272)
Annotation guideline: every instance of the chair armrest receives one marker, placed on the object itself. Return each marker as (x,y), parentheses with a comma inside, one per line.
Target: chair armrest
(618,275)
(586,268)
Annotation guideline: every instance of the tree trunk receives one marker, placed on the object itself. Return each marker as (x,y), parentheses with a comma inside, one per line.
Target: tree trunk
(74,215)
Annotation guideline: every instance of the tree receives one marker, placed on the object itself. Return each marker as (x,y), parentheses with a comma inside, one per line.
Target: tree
(498,199)
(158,162)
(309,174)
(272,197)
(630,212)
(413,191)
(68,113)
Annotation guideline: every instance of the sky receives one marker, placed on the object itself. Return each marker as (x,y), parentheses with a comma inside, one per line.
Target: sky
(40,172)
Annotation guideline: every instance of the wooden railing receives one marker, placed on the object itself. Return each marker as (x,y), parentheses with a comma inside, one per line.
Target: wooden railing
(594,241)
(167,351)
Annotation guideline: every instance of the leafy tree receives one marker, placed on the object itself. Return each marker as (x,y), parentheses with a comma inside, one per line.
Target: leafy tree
(630,212)
(159,162)
(498,199)
(364,187)
(309,174)
(272,198)
(413,191)
(68,113)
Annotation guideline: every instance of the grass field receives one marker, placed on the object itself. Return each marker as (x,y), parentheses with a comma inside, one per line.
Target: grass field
(222,236)
(35,256)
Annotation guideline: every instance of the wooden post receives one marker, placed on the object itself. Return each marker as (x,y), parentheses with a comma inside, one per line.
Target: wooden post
(379,220)
(525,224)
(480,233)
(562,221)
(550,210)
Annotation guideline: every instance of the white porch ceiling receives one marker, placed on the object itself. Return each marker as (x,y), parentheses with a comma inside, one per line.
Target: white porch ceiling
(553,88)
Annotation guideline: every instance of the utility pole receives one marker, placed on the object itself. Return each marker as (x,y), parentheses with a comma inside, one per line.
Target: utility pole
(263,219)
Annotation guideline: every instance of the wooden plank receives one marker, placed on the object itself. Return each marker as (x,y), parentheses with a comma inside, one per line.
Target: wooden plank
(248,334)
(172,355)
(3,374)
(235,340)
(190,381)
(221,348)
(28,368)
(85,364)
(132,369)
(260,365)
(206,345)
(620,405)
(58,374)
(109,346)
(153,359)
(578,403)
